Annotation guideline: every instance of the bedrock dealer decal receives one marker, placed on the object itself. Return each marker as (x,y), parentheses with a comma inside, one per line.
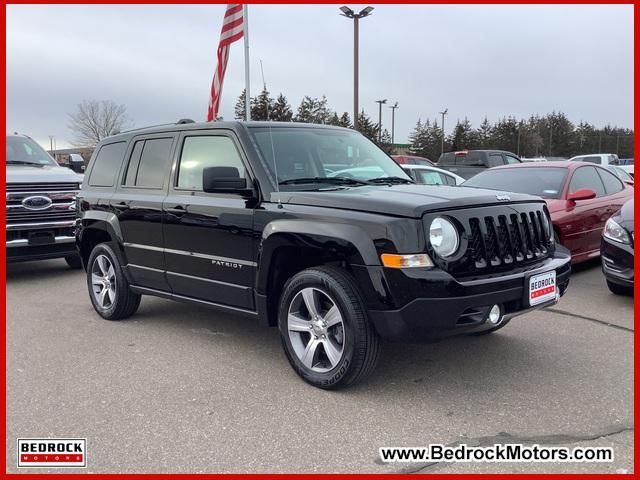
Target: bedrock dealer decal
(52,452)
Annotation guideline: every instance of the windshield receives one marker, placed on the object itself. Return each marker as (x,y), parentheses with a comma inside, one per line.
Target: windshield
(313,156)
(24,151)
(543,182)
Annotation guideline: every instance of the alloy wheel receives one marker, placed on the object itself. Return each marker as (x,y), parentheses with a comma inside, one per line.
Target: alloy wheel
(103,282)
(316,330)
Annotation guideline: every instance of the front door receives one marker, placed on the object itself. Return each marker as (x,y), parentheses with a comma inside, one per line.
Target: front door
(208,237)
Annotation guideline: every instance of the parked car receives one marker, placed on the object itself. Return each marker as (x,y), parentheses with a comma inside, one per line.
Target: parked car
(597,158)
(40,204)
(411,160)
(616,251)
(241,216)
(467,163)
(580,196)
(426,175)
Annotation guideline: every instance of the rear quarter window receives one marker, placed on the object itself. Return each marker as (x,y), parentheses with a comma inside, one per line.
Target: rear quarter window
(107,164)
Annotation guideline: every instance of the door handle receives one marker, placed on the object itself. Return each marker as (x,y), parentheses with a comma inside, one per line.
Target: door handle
(121,205)
(177,210)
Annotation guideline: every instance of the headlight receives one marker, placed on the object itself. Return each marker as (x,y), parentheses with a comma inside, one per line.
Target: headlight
(443,237)
(615,232)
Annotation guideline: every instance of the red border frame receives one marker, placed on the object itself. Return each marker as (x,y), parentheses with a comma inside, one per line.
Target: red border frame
(3,338)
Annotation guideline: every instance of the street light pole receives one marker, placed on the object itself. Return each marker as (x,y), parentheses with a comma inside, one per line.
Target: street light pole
(393,122)
(380,103)
(347,12)
(443,113)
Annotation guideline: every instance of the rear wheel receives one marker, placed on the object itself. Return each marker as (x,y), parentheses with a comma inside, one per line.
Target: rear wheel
(619,289)
(324,329)
(108,287)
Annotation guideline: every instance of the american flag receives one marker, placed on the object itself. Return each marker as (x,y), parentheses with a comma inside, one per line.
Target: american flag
(232,30)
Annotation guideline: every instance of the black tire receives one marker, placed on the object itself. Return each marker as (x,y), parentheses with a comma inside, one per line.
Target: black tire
(73,261)
(361,345)
(491,330)
(125,302)
(620,289)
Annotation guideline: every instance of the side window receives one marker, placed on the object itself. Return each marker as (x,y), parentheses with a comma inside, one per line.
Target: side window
(449,179)
(149,163)
(611,183)
(510,159)
(431,178)
(587,177)
(201,152)
(107,165)
(495,159)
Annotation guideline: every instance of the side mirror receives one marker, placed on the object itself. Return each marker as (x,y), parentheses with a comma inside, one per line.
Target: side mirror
(581,194)
(223,180)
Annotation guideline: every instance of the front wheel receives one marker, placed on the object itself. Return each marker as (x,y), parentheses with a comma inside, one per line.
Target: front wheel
(108,287)
(324,328)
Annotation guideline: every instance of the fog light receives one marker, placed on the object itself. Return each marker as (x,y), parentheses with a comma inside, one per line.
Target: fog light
(557,295)
(495,314)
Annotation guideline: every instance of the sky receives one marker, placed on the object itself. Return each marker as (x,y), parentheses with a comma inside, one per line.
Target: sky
(474,60)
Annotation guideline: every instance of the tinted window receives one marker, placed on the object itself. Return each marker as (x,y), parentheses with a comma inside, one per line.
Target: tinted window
(544,182)
(612,184)
(473,159)
(199,153)
(154,162)
(134,162)
(589,159)
(107,164)
(495,160)
(511,159)
(587,177)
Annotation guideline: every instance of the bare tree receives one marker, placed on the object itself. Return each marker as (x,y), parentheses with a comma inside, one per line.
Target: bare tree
(97,119)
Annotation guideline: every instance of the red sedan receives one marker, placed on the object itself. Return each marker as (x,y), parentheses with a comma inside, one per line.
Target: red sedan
(580,196)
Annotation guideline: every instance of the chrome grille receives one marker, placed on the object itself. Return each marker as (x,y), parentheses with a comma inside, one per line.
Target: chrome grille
(62,208)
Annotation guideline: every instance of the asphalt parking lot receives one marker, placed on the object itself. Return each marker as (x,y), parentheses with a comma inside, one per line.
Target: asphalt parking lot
(184,389)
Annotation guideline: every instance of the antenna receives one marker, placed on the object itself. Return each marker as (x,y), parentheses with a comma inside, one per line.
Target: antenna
(264,88)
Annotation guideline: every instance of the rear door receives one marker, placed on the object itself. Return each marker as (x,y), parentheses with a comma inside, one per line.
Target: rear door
(138,205)
(208,237)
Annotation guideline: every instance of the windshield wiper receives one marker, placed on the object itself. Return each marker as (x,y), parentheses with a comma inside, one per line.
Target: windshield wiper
(23,162)
(390,180)
(329,180)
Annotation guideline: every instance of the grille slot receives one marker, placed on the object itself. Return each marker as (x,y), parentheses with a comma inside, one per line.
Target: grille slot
(41,187)
(504,239)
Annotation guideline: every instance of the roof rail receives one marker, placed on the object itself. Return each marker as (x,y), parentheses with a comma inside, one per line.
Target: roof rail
(182,121)
(145,128)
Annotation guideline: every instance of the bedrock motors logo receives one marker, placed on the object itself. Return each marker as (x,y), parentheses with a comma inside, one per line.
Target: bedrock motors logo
(52,452)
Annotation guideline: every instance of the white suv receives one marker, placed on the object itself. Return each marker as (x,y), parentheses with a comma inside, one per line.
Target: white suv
(603,159)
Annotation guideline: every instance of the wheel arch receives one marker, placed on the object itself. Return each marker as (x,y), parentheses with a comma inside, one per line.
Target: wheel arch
(100,227)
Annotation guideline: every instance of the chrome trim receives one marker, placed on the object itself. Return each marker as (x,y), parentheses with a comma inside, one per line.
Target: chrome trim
(62,195)
(191,254)
(157,270)
(31,226)
(51,207)
(161,293)
(23,242)
(192,277)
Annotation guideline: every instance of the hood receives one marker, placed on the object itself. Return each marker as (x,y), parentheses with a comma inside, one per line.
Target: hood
(625,216)
(555,205)
(402,200)
(46,173)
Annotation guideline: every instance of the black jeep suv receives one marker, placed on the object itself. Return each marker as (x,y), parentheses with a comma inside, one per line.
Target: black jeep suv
(247,217)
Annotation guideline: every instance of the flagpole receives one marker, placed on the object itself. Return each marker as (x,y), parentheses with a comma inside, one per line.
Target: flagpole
(247,95)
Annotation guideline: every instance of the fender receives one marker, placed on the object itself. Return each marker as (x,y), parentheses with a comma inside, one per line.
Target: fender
(350,242)
(105,221)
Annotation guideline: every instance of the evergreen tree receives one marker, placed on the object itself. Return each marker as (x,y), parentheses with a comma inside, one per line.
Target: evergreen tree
(484,134)
(368,128)
(313,110)
(281,110)
(239,111)
(463,136)
(261,106)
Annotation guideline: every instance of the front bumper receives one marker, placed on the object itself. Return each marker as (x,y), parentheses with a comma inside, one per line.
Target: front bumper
(447,307)
(617,262)
(40,241)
